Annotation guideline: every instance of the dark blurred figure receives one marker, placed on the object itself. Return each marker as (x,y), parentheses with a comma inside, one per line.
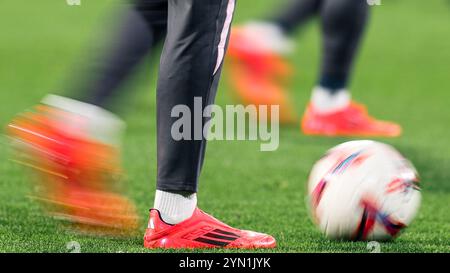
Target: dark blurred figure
(74,143)
(140,26)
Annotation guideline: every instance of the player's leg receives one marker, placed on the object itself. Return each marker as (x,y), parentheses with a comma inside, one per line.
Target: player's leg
(331,111)
(343,25)
(190,68)
(295,14)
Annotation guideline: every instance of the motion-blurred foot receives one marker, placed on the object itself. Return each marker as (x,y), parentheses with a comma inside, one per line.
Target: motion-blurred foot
(258,72)
(76,165)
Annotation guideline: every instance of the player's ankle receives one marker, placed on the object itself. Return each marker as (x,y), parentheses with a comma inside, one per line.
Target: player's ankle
(175,206)
(98,123)
(327,101)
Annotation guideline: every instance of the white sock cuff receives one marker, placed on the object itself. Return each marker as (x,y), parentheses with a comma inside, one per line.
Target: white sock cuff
(174,207)
(325,101)
(102,125)
(268,37)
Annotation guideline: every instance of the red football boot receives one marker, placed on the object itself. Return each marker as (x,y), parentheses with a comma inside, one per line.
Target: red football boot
(353,120)
(201,231)
(259,76)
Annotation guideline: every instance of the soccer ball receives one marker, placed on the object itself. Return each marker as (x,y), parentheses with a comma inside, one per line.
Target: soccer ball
(363,190)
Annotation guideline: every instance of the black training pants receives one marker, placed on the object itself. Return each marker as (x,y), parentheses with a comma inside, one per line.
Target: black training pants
(195,45)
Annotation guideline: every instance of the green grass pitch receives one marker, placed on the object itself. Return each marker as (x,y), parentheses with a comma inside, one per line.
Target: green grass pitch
(402,74)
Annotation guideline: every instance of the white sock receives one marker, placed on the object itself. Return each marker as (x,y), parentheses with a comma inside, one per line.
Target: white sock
(99,123)
(268,37)
(174,207)
(327,102)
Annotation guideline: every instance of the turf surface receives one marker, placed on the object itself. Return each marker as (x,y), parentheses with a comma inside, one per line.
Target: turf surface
(402,74)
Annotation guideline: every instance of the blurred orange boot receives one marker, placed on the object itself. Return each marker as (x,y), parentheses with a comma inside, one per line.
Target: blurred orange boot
(258,75)
(77,169)
(352,120)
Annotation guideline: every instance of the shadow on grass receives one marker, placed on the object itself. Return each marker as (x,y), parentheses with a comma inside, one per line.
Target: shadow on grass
(434,172)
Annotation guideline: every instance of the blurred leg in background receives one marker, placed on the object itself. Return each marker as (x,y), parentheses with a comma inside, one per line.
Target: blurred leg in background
(141,27)
(260,70)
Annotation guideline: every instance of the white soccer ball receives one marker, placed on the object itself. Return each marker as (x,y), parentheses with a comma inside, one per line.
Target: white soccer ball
(363,190)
